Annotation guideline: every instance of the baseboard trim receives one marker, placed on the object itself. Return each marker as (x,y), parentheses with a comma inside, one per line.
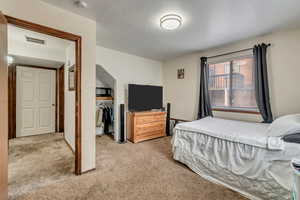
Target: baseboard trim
(69,146)
(88,171)
(182,120)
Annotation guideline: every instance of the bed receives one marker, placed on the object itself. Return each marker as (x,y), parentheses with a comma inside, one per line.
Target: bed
(250,158)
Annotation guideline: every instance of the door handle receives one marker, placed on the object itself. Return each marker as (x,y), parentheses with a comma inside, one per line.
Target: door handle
(53,104)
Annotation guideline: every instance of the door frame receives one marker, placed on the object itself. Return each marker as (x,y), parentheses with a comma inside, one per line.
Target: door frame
(78,58)
(60,92)
(12,100)
(3,110)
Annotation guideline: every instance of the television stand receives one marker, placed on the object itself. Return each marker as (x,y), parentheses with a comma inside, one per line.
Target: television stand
(147,125)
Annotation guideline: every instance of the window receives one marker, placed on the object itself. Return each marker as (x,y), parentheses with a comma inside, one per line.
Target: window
(231,85)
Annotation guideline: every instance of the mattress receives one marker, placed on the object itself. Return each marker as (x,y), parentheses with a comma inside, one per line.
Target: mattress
(236,154)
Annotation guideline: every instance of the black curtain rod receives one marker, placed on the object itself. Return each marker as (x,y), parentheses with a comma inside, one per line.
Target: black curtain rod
(225,54)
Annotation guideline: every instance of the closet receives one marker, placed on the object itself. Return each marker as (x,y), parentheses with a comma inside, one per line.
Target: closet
(105,117)
(104,114)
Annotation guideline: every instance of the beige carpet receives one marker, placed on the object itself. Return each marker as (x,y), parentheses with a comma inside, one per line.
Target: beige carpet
(38,161)
(144,171)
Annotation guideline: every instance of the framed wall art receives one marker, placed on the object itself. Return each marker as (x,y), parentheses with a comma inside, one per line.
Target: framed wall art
(180,74)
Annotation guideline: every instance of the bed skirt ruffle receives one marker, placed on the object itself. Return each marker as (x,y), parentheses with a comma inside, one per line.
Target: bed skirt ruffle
(234,165)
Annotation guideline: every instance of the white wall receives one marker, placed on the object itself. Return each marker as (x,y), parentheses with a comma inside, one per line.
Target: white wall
(22,49)
(283,69)
(69,123)
(53,50)
(100,83)
(45,14)
(128,69)
(34,51)
(103,78)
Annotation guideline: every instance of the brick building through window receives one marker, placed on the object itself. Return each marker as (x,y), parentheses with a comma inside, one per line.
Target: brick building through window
(231,84)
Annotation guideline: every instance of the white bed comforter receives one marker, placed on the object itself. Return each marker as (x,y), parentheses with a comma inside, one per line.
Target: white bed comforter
(236,154)
(253,134)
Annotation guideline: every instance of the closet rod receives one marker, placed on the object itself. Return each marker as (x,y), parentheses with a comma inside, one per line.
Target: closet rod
(225,54)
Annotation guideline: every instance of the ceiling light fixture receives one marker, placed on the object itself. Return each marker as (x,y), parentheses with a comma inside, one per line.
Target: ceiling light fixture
(80,4)
(170,22)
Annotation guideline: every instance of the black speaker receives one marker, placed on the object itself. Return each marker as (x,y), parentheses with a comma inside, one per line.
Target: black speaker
(122,124)
(168,119)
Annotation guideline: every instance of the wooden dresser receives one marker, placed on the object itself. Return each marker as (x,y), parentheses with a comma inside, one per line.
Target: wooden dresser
(143,126)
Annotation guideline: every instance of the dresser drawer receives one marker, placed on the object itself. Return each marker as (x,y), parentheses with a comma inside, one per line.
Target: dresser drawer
(149,135)
(150,119)
(155,126)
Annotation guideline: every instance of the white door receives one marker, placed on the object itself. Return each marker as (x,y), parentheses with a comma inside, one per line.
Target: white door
(36,93)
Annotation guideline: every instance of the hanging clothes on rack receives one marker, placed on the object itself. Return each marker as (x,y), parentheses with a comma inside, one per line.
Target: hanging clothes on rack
(104,118)
(99,115)
(107,118)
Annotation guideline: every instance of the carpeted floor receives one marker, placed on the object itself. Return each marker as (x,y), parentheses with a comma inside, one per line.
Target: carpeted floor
(144,171)
(38,161)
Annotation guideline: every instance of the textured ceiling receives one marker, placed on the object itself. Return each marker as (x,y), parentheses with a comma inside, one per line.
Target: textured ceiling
(132,26)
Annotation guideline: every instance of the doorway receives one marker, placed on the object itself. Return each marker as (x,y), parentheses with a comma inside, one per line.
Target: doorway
(77,87)
(4,120)
(105,110)
(105,103)
(35,144)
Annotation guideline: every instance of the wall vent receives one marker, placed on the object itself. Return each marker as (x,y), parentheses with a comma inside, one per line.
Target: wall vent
(35,40)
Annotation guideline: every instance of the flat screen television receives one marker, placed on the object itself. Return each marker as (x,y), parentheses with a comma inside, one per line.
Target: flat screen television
(144,97)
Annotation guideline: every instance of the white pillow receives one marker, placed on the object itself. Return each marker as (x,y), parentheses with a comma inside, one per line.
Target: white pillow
(286,125)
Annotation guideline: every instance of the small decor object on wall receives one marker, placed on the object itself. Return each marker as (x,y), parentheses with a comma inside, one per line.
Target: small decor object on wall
(180,73)
(72,78)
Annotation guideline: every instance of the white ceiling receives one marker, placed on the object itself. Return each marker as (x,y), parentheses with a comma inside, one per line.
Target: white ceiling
(132,26)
